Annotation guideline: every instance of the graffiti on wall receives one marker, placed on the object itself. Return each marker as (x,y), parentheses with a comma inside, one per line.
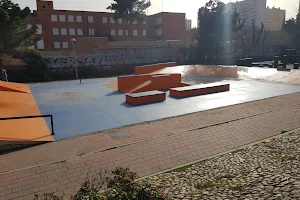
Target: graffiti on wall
(115,57)
(267,51)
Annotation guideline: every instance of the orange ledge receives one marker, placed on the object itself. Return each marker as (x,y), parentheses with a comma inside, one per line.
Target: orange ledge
(195,90)
(145,97)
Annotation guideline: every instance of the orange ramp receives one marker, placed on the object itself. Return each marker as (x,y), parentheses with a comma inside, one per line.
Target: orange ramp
(15,103)
(14,87)
(147,69)
(148,82)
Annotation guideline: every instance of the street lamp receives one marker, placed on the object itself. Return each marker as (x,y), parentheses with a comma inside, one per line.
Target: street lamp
(73,40)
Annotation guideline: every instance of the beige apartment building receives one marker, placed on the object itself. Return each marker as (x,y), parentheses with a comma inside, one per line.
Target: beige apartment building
(275,18)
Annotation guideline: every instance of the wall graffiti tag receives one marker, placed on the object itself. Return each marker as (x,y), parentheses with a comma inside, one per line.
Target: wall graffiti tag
(266,51)
(114,57)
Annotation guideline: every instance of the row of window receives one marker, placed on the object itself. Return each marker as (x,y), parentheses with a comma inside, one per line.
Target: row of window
(71,18)
(58,45)
(120,32)
(63,31)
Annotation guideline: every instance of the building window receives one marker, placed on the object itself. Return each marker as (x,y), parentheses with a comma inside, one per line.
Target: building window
(126,32)
(91,31)
(120,21)
(57,45)
(63,31)
(78,18)
(55,31)
(158,21)
(112,21)
(65,45)
(40,44)
(135,21)
(72,31)
(113,32)
(54,18)
(90,19)
(120,32)
(104,20)
(39,29)
(135,32)
(70,18)
(144,32)
(62,18)
(79,31)
(158,32)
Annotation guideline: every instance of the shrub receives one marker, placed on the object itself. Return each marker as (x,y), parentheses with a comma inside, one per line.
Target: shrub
(118,185)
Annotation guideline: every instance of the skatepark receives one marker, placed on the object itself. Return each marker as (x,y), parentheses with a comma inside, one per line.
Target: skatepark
(96,104)
(90,118)
(92,106)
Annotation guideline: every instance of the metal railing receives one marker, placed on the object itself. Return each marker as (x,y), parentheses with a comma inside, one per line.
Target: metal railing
(30,117)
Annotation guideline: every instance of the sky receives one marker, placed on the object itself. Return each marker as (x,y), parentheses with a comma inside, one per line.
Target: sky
(190,7)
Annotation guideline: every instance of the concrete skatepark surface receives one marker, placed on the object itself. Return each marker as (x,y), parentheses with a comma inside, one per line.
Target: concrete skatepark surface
(91,106)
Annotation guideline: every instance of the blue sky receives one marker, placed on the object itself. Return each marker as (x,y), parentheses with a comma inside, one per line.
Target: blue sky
(190,7)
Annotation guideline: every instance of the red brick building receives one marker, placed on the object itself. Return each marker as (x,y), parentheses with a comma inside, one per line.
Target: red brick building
(60,26)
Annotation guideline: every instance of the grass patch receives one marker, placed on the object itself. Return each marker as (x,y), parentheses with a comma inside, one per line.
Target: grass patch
(225,176)
(203,185)
(237,151)
(235,187)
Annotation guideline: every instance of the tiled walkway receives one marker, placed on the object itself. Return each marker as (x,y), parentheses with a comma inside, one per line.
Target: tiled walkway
(61,166)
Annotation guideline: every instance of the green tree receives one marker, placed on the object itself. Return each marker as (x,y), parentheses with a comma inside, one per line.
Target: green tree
(130,10)
(36,66)
(14,32)
(292,28)
(257,33)
(219,33)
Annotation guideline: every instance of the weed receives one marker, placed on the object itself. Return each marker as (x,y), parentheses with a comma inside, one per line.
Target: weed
(204,185)
(284,131)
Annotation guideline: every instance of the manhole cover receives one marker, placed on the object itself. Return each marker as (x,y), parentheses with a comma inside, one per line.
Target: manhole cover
(116,135)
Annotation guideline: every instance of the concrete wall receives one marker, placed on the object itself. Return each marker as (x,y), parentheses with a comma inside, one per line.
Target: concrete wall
(98,58)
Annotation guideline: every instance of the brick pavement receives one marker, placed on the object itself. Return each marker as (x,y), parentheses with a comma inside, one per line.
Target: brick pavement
(162,145)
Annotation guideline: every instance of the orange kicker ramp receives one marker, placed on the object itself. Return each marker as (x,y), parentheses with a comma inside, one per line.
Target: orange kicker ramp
(148,82)
(14,87)
(15,104)
(147,69)
(161,82)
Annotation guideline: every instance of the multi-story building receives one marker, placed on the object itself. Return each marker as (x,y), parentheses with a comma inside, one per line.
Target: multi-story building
(188,24)
(275,18)
(60,26)
(166,26)
(250,10)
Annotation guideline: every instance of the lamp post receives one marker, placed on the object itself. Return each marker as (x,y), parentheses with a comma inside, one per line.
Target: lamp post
(73,40)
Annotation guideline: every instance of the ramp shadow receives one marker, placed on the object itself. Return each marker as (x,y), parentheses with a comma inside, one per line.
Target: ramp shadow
(114,93)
